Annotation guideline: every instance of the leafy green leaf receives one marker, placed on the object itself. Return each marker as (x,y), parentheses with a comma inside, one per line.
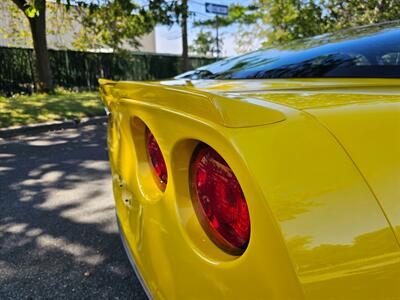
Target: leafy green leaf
(31,12)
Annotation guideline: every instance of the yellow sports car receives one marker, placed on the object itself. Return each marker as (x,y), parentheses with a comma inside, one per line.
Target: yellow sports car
(272,175)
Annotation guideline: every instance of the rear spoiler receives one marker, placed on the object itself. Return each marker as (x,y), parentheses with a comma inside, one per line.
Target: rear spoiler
(190,100)
(105,89)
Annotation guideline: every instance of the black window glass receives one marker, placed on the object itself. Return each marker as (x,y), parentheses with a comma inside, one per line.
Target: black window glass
(371,51)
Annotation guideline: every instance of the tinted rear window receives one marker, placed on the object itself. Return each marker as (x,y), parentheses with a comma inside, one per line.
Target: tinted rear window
(366,52)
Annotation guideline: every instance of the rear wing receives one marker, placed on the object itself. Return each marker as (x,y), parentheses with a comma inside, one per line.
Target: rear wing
(105,92)
(185,98)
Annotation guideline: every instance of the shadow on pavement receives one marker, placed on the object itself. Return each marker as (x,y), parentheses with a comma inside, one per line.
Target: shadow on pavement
(58,235)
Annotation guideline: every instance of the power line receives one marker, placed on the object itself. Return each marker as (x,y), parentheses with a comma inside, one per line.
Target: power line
(197,2)
(200,13)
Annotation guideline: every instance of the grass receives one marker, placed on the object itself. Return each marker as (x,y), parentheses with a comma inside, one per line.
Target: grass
(38,108)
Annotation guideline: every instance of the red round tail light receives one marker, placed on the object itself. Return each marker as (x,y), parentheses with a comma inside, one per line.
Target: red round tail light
(219,201)
(157,160)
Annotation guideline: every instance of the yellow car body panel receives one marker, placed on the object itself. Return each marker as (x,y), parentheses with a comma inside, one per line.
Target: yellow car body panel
(317,161)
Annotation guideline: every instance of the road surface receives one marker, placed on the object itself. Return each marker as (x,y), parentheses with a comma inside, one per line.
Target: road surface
(58,235)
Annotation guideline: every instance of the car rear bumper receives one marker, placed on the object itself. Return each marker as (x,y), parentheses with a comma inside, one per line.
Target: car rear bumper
(132,259)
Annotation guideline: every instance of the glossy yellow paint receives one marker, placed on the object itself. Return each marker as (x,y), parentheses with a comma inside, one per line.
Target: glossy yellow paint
(321,206)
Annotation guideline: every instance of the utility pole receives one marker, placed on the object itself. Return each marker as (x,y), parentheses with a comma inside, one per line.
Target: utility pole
(185,62)
(217,25)
(217,10)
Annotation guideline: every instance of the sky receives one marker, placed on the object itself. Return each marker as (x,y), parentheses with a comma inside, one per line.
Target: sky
(168,39)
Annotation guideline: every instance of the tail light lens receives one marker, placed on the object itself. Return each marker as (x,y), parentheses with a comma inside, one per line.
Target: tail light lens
(156,159)
(219,201)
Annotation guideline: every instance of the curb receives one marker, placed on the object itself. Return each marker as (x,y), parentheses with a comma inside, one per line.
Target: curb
(48,126)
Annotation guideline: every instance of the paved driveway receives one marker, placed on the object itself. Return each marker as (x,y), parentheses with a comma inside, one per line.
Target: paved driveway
(58,236)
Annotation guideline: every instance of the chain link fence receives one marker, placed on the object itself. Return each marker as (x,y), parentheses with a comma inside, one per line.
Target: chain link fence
(80,70)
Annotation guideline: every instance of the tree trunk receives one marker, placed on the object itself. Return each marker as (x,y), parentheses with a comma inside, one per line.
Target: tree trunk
(185,36)
(37,24)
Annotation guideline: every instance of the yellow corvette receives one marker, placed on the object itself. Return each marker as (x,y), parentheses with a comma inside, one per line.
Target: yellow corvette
(272,175)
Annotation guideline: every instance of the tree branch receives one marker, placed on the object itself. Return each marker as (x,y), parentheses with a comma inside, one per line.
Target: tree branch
(20,3)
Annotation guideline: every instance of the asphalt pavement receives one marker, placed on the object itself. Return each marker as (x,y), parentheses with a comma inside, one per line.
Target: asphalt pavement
(58,233)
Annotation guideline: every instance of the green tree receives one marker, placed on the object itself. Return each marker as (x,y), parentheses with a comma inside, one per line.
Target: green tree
(287,20)
(281,21)
(59,21)
(15,31)
(248,14)
(247,39)
(343,14)
(116,22)
(35,11)
(243,15)
(127,21)
(108,22)
(204,44)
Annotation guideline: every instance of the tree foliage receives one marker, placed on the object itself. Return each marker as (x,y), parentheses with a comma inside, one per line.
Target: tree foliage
(281,21)
(205,44)
(16,32)
(342,14)
(237,14)
(287,20)
(107,23)
(115,22)
(35,11)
